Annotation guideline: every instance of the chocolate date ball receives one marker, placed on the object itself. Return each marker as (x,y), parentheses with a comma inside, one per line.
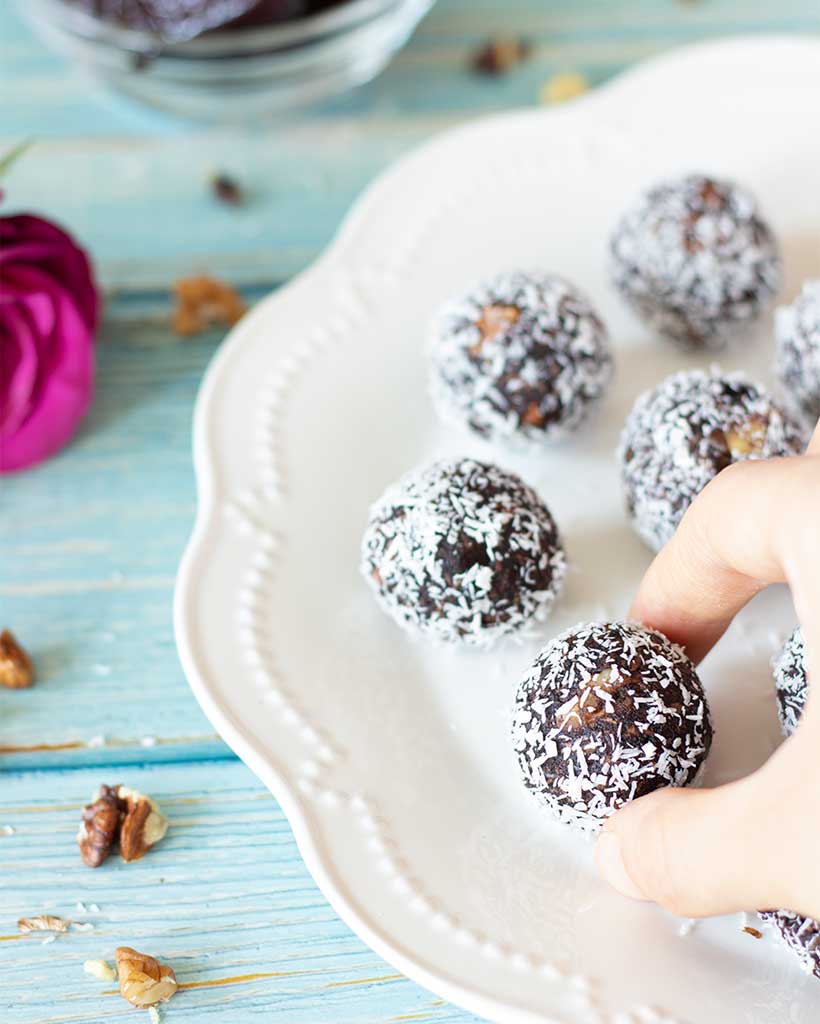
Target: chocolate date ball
(800,934)
(608,712)
(695,259)
(462,551)
(520,358)
(797,363)
(791,682)
(680,435)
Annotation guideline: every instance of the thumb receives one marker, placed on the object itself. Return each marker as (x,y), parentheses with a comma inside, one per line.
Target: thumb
(715,851)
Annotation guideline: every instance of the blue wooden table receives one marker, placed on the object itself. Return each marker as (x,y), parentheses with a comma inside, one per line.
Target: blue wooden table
(89,542)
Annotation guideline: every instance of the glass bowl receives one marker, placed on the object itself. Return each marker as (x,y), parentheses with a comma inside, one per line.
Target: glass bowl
(235,75)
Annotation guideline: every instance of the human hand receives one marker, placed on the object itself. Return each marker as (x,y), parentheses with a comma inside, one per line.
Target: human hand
(755,843)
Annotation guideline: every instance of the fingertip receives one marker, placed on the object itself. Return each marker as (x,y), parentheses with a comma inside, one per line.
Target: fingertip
(636,860)
(611,867)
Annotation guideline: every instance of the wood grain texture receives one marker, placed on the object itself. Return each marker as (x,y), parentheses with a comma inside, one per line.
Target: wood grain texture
(89,543)
(225,899)
(138,181)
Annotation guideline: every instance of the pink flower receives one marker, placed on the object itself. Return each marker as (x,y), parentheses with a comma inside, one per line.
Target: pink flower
(48,316)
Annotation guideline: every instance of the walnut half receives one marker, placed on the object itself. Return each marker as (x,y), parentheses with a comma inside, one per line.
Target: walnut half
(124,815)
(747,439)
(143,980)
(100,826)
(142,827)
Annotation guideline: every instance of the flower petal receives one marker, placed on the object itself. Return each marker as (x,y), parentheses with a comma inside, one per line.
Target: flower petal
(18,367)
(48,316)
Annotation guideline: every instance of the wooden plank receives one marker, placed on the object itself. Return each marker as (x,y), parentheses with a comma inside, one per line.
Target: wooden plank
(225,899)
(146,212)
(88,554)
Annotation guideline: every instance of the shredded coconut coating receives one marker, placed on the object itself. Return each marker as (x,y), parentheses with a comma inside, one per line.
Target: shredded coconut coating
(531,376)
(694,258)
(681,434)
(791,682)
(463,551)
(801,934)
(608,713)
(797,360)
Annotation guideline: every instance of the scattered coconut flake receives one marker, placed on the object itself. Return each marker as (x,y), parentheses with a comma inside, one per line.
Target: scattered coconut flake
(102,670)
(81,907)
(8,830)
(96,741)
(154,1014)
(93,908)
(99,969)
(148,741)
(82,926)
(687,926)
(50,938)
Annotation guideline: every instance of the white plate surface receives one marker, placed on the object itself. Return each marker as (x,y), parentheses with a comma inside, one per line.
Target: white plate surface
(392,760)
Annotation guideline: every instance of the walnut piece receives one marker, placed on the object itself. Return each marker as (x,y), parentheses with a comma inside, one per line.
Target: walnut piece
(124,815)
(588,707)
(100,826)
(533,416)
(142,827)
(498,56)
(99,969)
(16,670)
(227,189)
(43,923)
(144,981)
(203,302)
(747,438)
(494,320)
(564,86)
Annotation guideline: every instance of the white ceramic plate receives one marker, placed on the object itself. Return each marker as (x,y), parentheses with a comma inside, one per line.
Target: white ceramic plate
(392,760)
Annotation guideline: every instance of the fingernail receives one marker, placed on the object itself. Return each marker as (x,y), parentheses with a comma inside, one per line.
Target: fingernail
(611,866)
